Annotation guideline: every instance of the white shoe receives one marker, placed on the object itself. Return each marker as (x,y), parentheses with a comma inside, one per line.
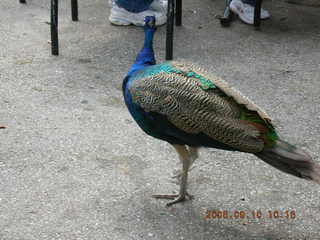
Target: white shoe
(120,16)
(159,6)
(246,11)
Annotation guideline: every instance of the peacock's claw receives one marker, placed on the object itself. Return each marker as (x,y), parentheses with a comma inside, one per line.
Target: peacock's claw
(164,196)
(175,197)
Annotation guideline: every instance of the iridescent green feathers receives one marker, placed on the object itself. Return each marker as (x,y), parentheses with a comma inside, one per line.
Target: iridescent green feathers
(197,102)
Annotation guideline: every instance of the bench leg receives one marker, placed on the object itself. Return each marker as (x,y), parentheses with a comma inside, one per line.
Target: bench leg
(54,28)
(169,36)
(257,12)
(74,10)
(178,12)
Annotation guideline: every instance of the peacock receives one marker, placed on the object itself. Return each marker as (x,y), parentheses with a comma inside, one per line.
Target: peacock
(187,107)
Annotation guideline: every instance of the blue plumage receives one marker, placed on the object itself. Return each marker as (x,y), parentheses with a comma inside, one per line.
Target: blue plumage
(145,57)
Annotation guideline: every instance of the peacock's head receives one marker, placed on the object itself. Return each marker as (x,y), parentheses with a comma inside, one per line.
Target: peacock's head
(150,22)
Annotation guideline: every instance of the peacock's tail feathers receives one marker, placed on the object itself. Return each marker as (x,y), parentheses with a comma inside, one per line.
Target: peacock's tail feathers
(290,159)
(267,131)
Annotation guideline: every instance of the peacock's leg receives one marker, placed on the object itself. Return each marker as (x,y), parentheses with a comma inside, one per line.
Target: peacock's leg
(184,157)
(193,155)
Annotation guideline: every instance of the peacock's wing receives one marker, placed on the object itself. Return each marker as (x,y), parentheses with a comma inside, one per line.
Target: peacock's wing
(197,103)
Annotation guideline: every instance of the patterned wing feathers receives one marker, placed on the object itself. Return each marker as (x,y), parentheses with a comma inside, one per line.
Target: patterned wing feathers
(193,110)
(225,87)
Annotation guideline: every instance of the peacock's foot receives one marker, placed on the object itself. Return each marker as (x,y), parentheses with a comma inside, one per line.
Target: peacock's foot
(175,197)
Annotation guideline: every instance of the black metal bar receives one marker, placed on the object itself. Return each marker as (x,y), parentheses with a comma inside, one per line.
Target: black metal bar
(54,28)
(22,1)
(169,36)
(178,12)
(74,10)
(257,12)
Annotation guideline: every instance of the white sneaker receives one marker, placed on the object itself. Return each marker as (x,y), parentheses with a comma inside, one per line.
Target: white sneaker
(159,6)
(120,16)
(246,11)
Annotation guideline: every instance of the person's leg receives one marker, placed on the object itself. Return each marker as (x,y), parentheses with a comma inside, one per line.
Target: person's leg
(126,12)
(134,6)
(250,2)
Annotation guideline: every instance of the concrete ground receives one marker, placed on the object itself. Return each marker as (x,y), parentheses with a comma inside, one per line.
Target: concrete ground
(74,165)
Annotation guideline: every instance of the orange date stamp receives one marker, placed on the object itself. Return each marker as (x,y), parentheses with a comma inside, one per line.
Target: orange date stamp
(254,214)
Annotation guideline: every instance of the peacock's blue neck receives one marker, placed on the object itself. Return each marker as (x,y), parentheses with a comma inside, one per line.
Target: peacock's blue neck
(148,38)
(146,55)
